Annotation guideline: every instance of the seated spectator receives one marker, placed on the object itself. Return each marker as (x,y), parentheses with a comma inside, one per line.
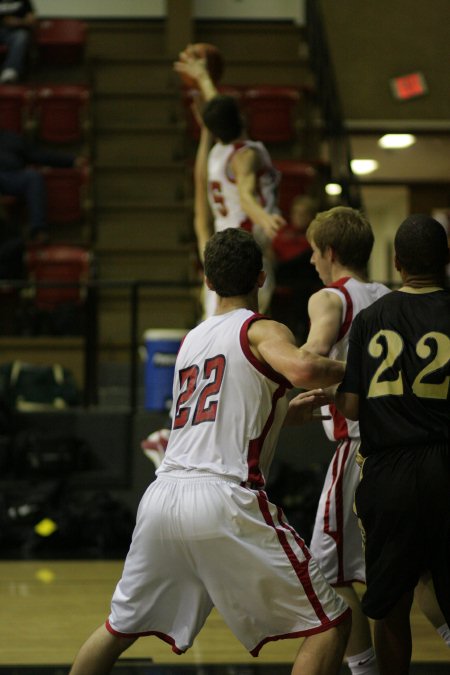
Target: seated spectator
(290,241)
(20,177)
(295,278)
(17,20)
(12,249)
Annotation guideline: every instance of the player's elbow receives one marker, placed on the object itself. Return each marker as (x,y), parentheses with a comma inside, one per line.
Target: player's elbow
(304,376)
(314,371)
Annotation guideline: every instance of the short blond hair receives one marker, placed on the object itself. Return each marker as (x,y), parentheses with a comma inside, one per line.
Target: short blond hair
(345,230)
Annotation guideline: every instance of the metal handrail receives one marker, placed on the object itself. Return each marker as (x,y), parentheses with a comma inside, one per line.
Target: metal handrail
(329,100)
(90,336)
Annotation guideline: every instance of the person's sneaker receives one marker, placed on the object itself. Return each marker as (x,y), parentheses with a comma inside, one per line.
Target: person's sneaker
(9,75)
(154,446)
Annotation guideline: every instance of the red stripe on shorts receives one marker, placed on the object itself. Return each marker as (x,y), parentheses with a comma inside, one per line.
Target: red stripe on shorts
(339,462)
(162,636)
(300,568)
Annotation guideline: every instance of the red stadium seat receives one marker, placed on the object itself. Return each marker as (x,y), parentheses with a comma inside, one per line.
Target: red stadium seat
(67,194)
(270,113)
(296,179)
(61,41)
(16,107)
(68,265)
(62,113)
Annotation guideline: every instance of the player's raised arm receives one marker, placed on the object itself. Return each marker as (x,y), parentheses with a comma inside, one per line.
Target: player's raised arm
(203,225)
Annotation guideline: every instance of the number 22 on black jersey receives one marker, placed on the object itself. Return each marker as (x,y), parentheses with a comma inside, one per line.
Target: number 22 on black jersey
(388,345)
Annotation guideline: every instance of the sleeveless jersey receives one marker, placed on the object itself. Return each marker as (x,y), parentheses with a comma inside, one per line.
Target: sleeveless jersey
(228,407)
(223,192)
(355,296)
(399,364)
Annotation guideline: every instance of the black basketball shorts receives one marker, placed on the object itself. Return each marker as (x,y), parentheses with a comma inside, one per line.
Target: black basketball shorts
(403,503)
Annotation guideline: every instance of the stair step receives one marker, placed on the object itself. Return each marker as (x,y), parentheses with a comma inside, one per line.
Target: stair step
(161,107)
(176,265)
(126,39)
(134,76)
(141,184)
(141,226)
(252,40)
(140,144)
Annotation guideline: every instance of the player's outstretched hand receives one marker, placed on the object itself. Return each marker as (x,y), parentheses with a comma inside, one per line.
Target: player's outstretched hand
(271,223)
(303,407)
(190,64)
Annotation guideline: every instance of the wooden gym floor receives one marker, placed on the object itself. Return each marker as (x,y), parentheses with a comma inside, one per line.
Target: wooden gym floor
(48,608)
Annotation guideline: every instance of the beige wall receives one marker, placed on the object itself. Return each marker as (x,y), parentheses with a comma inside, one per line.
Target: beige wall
(371,42)
(101,8)
(210,9)
(386,208)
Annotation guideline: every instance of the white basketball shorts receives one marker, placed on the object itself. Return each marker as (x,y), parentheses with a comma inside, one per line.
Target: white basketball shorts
(202,541)
(336,543)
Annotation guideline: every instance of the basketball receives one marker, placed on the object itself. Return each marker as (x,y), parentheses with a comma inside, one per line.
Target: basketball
(214,62)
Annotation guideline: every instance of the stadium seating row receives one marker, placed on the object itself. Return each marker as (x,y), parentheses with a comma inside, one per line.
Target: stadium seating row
(270,110)
(61,41)
(271,114)
(68,195)
(66,266)
(56,114)
(58,41)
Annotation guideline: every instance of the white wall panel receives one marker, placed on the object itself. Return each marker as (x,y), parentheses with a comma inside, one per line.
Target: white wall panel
(97,9)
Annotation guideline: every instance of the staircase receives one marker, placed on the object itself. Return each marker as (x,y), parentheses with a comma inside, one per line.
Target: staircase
(142,155)
(141,184)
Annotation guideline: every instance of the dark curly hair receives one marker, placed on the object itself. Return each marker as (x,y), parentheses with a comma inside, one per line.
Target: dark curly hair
(233,261)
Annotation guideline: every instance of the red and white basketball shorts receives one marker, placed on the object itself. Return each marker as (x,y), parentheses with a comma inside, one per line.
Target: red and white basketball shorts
(202,541)
(336,543)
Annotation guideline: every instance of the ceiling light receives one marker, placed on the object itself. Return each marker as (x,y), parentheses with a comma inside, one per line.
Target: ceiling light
(396,141)
(333,189)
(363,166)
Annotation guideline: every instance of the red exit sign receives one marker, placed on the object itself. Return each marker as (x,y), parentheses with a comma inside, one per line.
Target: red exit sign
(408,86)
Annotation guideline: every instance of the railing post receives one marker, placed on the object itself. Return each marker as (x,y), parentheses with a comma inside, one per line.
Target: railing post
(90,392)
(134,309)
(328,96)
